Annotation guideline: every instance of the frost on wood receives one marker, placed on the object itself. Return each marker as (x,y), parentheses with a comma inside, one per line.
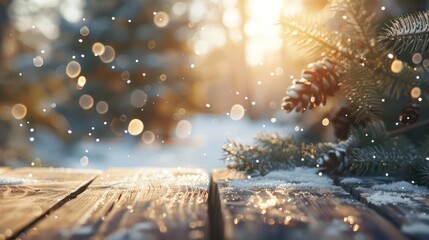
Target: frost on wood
(298,178)
(402,203)
(147,203)
(383,198)
(5,180)
(416,229)
(297,203)
(182,177)
(395,193)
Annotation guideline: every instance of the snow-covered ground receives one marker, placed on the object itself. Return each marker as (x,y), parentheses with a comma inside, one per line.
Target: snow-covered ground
(202,148)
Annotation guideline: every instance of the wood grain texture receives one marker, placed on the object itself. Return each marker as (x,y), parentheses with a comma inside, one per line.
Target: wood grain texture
(407,209)
(133,204)
(248,209)
(27,194)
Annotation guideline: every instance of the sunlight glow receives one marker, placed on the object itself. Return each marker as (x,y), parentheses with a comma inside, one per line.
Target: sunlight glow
(161,19)
(73,69)
(262,28)
(260,33)
(86,101)
(183,129)
(135,127)
(237,112)
(72,10)
(19,111)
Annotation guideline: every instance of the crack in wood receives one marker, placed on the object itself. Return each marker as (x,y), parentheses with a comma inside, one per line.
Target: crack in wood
(79,190)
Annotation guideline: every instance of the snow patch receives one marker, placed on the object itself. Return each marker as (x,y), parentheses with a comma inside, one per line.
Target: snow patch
(415,229)
(383,198)
(403,187)
(298,178)
(15,181)
(396,193)
(195,179)
(351,180)
(419,216)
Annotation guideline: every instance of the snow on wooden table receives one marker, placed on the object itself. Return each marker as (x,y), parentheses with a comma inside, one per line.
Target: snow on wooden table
(118,204)
(404,204)
(27,194)
(295,204)
(176,203)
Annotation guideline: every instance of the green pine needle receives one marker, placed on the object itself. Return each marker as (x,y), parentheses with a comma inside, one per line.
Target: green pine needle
(362,93)
(407,33)
(359,22)
(367,78)
(272,152)
(315,40)
(420,169)
(369,133)
(381,159)
(419,172)
(394,85)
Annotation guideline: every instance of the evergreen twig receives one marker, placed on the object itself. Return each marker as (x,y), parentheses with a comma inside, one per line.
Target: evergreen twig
(407,33)
(360,21)
(272,152)
(400,131)
(316,40)
(360,89)
(365,74)
(394,85)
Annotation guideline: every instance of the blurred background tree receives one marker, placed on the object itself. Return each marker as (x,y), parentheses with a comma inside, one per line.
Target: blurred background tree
(104,68)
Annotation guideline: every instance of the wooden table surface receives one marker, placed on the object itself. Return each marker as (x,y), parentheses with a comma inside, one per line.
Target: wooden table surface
(154,203)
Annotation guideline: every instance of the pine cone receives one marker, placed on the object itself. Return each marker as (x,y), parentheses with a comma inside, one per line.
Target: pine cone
(409,114)
(342,122)
(313,87)
(335,161)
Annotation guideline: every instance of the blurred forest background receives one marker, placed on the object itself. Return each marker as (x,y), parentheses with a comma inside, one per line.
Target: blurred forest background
(105,69)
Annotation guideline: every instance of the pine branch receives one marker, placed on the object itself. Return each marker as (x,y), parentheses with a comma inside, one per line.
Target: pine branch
(308,152)
(337,161)
(419,172)
(407,33)
(360,22)
(272,152)
(365,73)
(399,131)
(316,41)
(274,140)
(394,85)
(361,90)
(369,133)
(381,159)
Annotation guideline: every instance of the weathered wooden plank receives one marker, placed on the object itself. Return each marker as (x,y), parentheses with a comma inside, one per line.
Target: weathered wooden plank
(290,205)
(404,204)
(27,194)
(134,204)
